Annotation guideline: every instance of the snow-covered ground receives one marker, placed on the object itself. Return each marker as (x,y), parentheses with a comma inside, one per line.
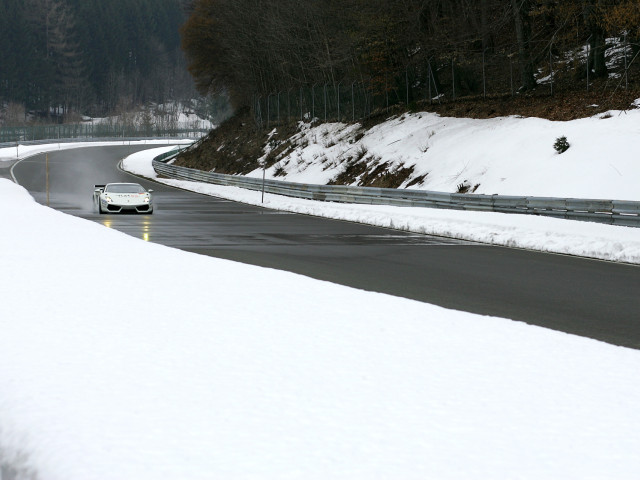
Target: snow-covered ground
(215,369)
(621,244)
(506,155)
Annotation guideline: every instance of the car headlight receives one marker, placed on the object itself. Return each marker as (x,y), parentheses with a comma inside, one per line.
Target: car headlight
(108,198)
(147,199)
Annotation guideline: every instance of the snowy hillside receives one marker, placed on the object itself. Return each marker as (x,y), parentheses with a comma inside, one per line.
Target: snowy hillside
(506,155)
(172,115)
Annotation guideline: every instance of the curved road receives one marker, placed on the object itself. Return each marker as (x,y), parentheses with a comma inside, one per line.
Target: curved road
(585,297)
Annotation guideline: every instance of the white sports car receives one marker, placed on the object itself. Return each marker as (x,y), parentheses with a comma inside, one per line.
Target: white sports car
(122,197)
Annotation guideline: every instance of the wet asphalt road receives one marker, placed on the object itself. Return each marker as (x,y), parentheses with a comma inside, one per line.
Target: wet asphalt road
(585,297)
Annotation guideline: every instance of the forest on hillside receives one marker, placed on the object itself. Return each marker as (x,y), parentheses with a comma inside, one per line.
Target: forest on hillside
(60,58)
(402,51)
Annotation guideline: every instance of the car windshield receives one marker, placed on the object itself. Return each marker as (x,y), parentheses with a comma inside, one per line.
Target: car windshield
(124,188)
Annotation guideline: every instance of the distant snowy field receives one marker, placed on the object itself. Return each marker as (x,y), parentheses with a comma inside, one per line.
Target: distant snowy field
(161,116)
(216,369)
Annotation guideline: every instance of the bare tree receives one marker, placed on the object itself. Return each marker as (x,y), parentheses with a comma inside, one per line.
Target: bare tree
(593,14)
(521,11)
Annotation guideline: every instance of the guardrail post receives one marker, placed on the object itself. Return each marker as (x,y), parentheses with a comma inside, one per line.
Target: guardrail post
(264,167)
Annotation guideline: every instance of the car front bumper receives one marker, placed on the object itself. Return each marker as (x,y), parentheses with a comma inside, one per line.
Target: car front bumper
(123,208)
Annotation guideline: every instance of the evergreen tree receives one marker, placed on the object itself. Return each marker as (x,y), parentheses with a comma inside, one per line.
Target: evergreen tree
(90,55)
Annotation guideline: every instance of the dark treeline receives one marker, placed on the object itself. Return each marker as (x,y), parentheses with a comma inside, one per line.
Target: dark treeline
(254,48)
(90,56)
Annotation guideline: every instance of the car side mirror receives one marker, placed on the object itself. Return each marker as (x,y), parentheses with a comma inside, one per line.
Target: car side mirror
(150,190)
(97,190)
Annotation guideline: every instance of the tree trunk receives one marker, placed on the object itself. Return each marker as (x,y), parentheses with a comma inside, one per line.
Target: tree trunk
(597,46)
(521,9)
(597,61)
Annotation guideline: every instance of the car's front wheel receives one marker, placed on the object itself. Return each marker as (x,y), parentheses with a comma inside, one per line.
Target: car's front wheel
(100,207)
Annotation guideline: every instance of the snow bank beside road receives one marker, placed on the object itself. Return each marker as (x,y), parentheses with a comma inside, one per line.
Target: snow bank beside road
(301,380)
(620,244)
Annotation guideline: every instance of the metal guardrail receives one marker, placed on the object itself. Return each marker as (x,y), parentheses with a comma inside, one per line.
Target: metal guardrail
(99,130)
(615,212)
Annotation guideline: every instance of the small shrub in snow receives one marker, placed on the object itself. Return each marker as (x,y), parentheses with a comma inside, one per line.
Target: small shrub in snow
(463,187)
(561,144)
(361,152)
(279,171)
(417,181)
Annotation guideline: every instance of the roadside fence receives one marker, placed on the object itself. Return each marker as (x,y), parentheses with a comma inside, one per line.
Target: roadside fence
(12,135)
(446,77)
